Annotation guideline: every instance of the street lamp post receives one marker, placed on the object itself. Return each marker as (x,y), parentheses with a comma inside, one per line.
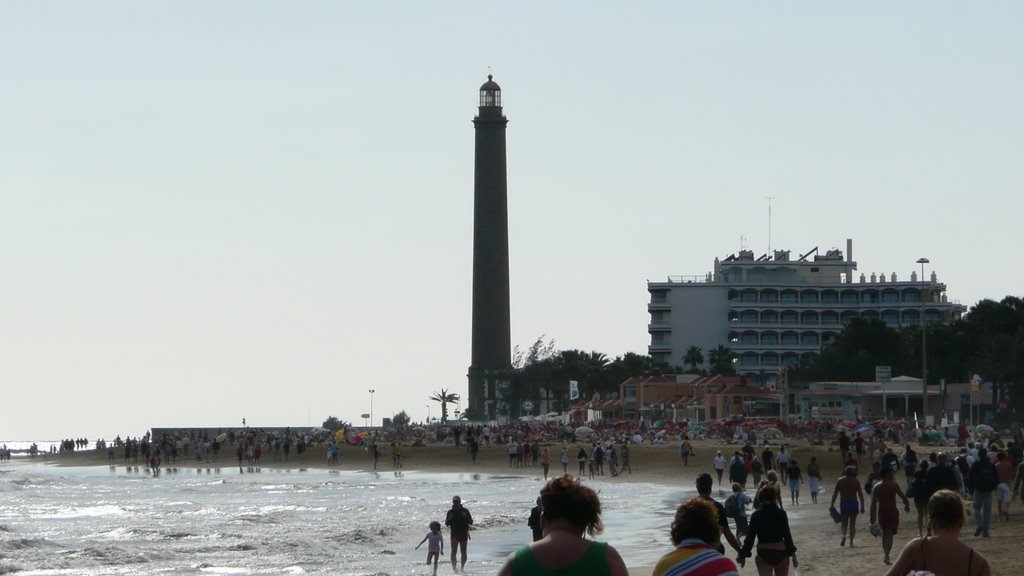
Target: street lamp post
(371,406)
(924,345)
(428,413)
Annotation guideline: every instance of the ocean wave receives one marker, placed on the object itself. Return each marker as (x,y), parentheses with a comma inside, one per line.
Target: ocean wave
(87,511)
(102,556)
(9,568)
(240,547)
(27,544)
(257,518)
(285,487)
(363,535)
(495,521)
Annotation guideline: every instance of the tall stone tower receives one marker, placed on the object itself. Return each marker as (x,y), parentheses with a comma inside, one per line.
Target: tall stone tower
(492,340)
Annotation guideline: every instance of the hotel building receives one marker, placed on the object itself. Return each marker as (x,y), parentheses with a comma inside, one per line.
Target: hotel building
(773,309)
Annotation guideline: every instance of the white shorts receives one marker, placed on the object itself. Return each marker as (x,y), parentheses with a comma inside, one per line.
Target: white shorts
(1004,493)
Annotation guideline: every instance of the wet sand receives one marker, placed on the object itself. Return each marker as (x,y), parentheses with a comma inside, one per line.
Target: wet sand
(816,536)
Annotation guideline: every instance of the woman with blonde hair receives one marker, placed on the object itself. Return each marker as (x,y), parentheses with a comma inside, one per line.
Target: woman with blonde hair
(569,511)
(942,553)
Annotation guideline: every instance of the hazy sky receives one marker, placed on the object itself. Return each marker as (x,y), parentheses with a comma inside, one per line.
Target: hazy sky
(211,211)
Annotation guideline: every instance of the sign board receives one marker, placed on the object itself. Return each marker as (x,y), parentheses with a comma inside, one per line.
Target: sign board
(574,390)
(976,383)
(883,374)
(527,406)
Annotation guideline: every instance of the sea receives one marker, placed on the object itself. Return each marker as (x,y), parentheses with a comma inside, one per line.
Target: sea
(93,520)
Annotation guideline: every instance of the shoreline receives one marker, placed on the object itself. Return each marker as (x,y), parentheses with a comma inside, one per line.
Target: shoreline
(814,533)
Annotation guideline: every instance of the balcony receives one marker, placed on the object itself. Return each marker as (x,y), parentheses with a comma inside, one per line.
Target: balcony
(660,348)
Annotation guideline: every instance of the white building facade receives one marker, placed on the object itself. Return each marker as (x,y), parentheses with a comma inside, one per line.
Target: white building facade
(770,311)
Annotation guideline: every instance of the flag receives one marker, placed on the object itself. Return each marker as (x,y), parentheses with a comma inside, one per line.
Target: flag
(574,390)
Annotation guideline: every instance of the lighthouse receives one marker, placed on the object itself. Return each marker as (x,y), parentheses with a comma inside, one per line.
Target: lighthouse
(492,340)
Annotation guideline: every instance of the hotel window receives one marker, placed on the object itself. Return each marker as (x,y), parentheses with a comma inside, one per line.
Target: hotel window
(769,317)
(789,317)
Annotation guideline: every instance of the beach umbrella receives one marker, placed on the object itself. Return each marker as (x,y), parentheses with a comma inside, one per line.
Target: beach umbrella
(659,423)
(984,429)
(772,432)
(222,437)
(339,436)
(698,427)
(583,431)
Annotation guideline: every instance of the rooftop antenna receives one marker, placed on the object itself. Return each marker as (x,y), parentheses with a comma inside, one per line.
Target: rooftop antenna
(770,198)
(743,245)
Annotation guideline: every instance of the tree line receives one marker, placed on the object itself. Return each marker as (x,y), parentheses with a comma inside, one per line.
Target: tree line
(988,341)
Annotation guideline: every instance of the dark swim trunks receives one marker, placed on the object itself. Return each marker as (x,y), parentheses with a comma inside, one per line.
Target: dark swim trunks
(849,508)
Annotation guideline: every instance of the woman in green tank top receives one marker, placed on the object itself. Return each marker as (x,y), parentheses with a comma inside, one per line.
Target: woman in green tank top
(570,510)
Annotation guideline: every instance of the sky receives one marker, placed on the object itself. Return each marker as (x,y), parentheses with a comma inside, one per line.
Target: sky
(263,210)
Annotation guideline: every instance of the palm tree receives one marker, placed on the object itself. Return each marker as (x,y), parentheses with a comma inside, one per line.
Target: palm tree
(694,356)
(444,397)
(720,358)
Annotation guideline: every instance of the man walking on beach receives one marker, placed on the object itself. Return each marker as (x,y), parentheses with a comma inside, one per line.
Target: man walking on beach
(458,520)
(719,464)
(738,470)
(985,478)
(704,485)
(849,491)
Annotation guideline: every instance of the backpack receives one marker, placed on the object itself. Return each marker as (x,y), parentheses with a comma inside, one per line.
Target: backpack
(732,506)
(985,478)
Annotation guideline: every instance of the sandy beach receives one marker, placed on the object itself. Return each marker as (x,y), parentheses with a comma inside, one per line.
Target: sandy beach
(816,536)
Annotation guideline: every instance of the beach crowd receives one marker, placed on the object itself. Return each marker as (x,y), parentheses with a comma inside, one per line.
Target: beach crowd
(967,479)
